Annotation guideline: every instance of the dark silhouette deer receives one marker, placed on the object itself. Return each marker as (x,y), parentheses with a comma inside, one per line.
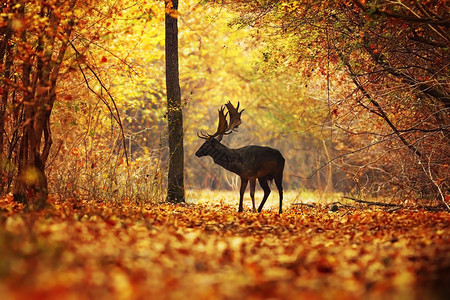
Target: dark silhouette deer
(250,162)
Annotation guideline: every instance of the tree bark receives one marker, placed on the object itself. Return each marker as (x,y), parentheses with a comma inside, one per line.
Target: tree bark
(6,62)
(40,72)
(175,180)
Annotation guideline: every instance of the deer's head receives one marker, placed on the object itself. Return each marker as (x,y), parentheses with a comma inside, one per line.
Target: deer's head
(223,128)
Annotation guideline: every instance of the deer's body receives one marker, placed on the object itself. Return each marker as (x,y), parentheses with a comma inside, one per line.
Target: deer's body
(250,163)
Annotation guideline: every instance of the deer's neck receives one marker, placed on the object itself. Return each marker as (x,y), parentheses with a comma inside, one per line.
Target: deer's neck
(226,158)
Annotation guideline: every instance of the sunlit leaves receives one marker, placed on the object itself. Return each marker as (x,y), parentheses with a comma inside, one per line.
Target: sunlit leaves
(204,251)
(394,50)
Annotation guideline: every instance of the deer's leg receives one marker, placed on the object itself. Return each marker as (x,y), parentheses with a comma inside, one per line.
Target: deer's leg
(252,193)
(242,191)
(265,186)
(279,184)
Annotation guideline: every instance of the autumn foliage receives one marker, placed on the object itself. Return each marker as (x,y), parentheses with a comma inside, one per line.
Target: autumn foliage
(359,105)
(354,94)
(106,250)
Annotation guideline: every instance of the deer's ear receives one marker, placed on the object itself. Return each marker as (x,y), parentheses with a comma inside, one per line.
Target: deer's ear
(219,138)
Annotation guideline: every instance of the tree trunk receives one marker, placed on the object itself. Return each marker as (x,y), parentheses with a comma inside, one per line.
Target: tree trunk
(31,183)
(175,180)
(329,173)
(6,62)
(40,71)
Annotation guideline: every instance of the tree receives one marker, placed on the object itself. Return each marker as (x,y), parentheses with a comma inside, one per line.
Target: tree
(42,45)
(35,38)
(392,57)
(175,180)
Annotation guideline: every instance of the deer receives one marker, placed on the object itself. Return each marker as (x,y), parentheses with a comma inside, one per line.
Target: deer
(249,162)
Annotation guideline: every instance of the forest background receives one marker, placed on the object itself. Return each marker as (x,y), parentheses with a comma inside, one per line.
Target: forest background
(354,94)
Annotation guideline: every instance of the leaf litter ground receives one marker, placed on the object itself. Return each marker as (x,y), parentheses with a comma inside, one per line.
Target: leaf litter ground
(101,250)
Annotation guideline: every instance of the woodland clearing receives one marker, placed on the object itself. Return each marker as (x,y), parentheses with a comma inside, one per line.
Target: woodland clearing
(105,105)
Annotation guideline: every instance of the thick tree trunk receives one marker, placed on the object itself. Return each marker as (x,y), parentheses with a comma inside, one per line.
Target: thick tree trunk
(175,180)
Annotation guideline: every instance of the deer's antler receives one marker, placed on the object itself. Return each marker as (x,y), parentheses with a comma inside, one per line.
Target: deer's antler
(224,127)
(235,116)
(221,128)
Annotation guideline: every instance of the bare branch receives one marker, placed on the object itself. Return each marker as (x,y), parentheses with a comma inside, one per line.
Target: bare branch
(372,203)
(115,116)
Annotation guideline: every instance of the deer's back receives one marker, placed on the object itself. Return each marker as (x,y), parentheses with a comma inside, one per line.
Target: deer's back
(259,162)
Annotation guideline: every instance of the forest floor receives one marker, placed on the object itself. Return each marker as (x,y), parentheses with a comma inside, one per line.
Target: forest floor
(206,250)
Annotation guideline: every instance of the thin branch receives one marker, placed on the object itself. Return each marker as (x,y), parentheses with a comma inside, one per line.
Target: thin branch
(112,53)
(413,19)
(435,183)
(372,203)
(303,204)
(379,110)
(425,88)
(343,155)
(116,118)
